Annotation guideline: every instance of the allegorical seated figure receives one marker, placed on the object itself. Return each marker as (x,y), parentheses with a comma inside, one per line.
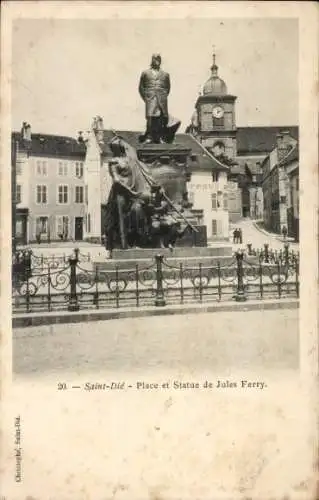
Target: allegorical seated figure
(126,220)
(166,228)
(154,88)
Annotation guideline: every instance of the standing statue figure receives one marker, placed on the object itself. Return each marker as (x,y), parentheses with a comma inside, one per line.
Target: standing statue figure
(154,88)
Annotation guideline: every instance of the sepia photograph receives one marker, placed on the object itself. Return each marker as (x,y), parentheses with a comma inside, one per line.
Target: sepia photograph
(141,210)
(155,254)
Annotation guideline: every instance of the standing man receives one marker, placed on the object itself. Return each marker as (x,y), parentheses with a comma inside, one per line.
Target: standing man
(154,88)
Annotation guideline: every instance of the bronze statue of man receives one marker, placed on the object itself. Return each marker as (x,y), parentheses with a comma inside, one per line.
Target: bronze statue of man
(154,88)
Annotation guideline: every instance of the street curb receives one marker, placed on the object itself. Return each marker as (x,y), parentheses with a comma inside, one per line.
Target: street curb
(271,235)
(65,317)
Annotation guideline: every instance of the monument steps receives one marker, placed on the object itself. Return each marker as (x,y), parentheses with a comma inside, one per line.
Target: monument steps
(217,250)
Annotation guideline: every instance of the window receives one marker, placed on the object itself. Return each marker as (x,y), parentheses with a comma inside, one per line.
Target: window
(214,227)
(63,168)
(282,199)
(86,194)
(225,201)
(63,226)
(19,166)
(42,194)
(63,194)
(42,168)
(42,225)
(218,122)
(215,176)
(79,194)
(191,196)
(89,223)
(214,201)
(18,193)
(79,169)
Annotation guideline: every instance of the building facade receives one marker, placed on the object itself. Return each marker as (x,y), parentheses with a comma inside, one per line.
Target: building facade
(291,165)
(50,189)
(276,183)
(242,149)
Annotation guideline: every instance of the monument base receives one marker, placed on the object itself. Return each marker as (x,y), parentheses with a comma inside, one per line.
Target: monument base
(124,262)
(216,250)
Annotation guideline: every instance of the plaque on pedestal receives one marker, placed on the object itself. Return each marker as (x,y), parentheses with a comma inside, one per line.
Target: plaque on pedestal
(169,167)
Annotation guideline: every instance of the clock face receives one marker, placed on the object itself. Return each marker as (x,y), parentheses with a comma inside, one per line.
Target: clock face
(218,112)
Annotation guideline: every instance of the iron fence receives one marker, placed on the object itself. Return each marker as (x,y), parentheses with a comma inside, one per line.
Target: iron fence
(72,285)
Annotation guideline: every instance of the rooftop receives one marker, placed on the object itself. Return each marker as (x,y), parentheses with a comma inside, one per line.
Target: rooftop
(203,159)
(260,140)
(214,85)
(293,155)
(52,145)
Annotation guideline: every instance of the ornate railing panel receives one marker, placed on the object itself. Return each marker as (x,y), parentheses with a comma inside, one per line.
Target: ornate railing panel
(73,285)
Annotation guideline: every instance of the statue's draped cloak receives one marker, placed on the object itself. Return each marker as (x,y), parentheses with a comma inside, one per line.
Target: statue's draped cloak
(132,179)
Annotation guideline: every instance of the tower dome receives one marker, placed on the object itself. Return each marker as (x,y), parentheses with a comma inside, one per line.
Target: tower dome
(214,85)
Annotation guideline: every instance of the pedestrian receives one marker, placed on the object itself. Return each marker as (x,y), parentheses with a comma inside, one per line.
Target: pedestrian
(234,235)
(284,232)
(240,234)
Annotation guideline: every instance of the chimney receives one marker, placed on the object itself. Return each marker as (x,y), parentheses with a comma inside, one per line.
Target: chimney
(26,136)
(26,131)
(284,143)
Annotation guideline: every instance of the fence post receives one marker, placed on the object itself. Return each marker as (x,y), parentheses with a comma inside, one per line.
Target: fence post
(266,247)
(73,298)
(240,293)
(27,264)
(286,253)
(159,298)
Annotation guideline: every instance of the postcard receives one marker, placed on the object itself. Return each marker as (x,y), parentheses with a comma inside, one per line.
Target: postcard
(159,250)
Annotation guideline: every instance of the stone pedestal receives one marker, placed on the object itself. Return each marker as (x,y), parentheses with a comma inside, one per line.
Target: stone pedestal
(169,165)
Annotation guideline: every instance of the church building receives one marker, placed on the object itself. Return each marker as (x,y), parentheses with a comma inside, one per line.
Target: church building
(241,149)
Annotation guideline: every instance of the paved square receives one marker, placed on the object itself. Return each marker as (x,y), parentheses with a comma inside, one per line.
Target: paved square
(214,342)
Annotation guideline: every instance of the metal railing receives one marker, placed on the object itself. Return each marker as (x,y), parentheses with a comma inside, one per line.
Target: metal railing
(255,274)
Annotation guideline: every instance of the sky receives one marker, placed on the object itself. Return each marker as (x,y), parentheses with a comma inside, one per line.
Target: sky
(65,72)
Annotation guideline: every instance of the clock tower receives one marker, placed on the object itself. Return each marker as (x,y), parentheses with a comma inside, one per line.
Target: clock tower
(215,116)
